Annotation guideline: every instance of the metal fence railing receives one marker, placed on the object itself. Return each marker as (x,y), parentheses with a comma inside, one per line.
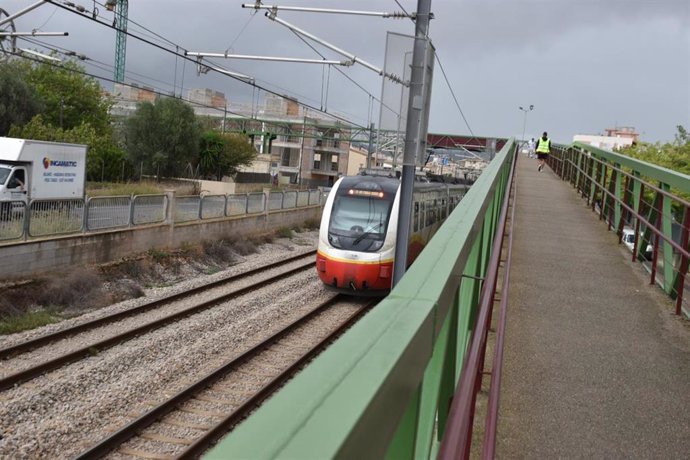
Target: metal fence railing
(390,377)
(256,202)
(236,205)
(275,201)
(213,206)
(108,212)
(187,208)
(646,205)
(12,217)
(55,217)
(149,209)
(41,218)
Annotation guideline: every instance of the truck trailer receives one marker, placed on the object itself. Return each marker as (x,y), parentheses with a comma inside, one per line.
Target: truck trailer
(39,170)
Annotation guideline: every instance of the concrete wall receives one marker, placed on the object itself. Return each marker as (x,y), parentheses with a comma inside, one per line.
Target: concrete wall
(21,260)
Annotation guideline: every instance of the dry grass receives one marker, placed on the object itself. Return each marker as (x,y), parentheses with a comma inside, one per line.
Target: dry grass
(49,299)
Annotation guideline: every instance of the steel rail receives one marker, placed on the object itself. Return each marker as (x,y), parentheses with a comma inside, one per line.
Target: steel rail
(58,335)
(129,431)
(29,373)
(457,437)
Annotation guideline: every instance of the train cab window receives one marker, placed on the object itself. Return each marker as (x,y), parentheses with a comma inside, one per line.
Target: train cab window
(443,209)
(415,217)
(359,222)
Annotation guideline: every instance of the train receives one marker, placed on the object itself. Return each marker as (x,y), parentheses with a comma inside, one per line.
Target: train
(358,229)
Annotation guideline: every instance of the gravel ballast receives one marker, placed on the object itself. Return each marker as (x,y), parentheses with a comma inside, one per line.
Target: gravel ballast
(61,413)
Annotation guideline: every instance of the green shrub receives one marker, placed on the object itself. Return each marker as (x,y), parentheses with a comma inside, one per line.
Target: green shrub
(78,288)
(158,255)
(284,232)
(29,320)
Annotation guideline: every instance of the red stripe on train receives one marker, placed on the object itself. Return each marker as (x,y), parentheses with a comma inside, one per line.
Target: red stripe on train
(357,276)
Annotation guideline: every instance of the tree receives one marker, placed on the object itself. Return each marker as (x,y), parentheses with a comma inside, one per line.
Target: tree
(674,155)
(70,97)
(104,159)
(221,154)
(163,136)
(19,101)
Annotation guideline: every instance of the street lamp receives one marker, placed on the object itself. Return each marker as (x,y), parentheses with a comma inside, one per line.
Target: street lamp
(524,121)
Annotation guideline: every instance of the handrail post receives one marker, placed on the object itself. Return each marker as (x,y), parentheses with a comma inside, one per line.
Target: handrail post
(685,236)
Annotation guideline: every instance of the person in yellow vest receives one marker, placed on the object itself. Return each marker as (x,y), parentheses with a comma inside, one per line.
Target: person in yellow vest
(543,150)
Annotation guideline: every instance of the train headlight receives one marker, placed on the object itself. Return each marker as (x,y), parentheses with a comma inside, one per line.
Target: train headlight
(376,245)
(334,240)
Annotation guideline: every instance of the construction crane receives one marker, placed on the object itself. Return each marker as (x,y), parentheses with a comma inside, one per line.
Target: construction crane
(120,24)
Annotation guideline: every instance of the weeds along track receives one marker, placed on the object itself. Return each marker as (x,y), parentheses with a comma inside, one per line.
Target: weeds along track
(186,424)
(17,367)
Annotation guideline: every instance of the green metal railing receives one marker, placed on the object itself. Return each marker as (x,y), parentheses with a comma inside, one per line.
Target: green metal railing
(643,199)
(384,388)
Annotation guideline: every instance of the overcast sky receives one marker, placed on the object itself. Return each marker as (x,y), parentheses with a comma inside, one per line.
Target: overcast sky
(585,65)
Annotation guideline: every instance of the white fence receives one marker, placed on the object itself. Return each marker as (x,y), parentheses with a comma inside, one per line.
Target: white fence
(58,217)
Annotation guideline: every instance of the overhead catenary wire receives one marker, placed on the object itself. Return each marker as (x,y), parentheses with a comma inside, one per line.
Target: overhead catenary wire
(112,80)
(154,91)
(93,18)
(344,74)
(91,61)
(438,60)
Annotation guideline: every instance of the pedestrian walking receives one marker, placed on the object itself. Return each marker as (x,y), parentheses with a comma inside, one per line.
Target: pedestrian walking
(531,145)
(543,150)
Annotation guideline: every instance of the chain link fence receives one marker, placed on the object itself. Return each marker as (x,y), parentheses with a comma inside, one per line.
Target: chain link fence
(42,218)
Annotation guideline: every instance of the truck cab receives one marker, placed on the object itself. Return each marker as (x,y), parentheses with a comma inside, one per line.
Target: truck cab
(13,182)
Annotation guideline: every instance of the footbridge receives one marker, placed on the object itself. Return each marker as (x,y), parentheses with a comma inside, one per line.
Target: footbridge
(546,319)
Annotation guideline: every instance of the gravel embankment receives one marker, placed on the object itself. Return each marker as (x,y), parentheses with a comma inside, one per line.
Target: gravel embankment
(63,412)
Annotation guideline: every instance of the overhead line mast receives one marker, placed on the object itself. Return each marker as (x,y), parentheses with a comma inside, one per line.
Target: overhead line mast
(120,8)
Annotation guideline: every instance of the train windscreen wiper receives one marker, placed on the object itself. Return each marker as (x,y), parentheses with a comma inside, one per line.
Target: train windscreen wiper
(366,233)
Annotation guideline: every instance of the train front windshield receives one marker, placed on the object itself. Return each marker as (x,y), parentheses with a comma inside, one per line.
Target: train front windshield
(359,223)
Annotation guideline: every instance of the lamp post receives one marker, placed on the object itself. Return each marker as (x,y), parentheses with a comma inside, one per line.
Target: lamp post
(524,121)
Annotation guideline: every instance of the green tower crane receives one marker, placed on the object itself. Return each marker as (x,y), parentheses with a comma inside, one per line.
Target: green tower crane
(120,23)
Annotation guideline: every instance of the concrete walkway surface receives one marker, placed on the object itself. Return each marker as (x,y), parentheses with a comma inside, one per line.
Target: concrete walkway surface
(596,365)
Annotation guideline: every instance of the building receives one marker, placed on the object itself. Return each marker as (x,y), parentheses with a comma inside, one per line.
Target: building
(613,139)
(604,142)
(357,160)
(625,132)
(134,93)
(294,146)
(207,97)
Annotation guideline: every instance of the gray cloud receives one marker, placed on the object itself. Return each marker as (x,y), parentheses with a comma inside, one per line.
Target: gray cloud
(585,65)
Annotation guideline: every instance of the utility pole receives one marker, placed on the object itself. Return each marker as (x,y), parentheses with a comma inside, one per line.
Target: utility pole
(370,150)
(414,130)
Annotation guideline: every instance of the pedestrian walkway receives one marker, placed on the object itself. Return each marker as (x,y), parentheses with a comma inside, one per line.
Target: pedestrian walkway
(596,365)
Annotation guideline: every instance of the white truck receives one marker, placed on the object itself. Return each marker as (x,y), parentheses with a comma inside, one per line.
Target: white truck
(33,170)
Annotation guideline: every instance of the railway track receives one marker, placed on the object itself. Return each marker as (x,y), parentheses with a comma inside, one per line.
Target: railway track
(19,376)
(186,424)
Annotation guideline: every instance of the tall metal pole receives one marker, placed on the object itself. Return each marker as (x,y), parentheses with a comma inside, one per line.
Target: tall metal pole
(371,145)
(414,145)
(524,122)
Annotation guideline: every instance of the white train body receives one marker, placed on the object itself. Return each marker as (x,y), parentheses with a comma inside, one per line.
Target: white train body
(359,225)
